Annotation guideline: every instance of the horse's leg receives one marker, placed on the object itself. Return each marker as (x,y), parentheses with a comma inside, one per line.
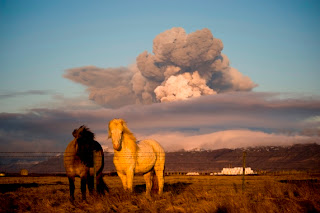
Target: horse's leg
(130,174)
(159,169)
(123,180)
(71,187)
(101,186)
(90,184)
(83,187)
(148,178)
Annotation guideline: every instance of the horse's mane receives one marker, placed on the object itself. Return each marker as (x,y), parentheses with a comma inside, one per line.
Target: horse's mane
(83,132)
(125,128)
(127,131)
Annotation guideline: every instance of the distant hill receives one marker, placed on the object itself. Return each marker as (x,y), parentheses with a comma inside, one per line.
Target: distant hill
(270,158)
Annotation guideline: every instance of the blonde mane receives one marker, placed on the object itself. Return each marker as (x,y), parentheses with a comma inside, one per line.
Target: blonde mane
(127,131)
(129,138)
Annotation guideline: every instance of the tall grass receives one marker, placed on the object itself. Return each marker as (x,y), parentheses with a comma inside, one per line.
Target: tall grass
(281,193)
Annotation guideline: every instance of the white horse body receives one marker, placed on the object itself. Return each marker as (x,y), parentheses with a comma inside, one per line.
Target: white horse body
(148,151)
(146,157)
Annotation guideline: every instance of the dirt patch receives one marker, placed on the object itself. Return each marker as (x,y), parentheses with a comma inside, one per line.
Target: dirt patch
(15,186)
(10,187)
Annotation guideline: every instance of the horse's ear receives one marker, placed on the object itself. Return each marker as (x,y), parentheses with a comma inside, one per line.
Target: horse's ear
(82,128)
(124,124)
(74,133)
(109,132)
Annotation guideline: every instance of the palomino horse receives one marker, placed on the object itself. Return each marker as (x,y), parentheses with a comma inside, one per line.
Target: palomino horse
(78,161)
(130,158)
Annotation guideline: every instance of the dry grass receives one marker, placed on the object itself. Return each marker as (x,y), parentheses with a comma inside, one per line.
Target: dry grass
(283,193)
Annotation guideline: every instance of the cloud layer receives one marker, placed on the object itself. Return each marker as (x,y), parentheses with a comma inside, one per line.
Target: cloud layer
(228,139)
(25,93)
(227,120)
(182,66)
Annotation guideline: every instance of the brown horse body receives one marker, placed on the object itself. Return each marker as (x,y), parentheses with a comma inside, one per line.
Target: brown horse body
(79,162)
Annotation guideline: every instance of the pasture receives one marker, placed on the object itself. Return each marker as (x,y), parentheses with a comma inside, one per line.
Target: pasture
(296,192)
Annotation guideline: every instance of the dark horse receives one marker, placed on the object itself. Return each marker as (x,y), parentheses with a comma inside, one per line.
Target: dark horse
(78,161)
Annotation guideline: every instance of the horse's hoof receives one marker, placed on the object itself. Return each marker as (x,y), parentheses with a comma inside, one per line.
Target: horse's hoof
(85,202)
(71,199)
(101,193)
(92,193)
(148,197)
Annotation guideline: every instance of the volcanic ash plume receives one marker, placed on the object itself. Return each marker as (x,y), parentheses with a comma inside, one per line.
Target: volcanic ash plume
(185,66)
(183,86)
(182,66)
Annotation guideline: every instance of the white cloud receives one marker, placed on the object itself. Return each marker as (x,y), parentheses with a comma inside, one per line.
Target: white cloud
(226,139)
(189,122)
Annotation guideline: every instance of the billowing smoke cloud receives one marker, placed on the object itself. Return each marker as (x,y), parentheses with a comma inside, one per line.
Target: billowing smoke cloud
(108,87)
(182,87)
(181,66)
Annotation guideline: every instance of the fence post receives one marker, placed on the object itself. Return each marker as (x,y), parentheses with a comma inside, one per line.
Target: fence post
(243,170)
(94,171)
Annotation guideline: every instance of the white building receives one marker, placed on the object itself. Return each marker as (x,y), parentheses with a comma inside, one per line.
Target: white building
(193,173)
(236,171)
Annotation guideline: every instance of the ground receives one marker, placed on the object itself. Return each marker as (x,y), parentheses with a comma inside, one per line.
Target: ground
(296,192)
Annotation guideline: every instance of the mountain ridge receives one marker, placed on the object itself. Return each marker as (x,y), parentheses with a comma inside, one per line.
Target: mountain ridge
(304,157)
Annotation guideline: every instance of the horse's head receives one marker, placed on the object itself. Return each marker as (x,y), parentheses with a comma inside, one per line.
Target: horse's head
(116,129)
(84,138)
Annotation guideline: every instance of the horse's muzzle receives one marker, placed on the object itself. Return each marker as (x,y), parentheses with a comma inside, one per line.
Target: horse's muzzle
(116,139)
(117,146)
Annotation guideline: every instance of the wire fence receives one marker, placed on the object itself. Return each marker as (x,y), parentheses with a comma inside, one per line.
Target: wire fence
(177,163)
(180,167)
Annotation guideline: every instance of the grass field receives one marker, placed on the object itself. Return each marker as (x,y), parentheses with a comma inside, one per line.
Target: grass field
(298,192)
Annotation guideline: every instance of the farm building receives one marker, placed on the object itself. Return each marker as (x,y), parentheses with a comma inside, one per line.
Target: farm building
(236,171)
(175,173)
(24,172)
(193,173)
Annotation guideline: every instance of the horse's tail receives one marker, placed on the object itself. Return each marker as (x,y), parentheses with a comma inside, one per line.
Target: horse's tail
(102,186)
(155,182)
(158,173)
(99,161)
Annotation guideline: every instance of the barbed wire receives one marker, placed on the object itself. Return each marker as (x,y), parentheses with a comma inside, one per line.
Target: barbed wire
(167,153)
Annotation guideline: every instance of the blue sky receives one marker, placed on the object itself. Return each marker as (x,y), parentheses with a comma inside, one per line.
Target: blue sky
(274,43)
